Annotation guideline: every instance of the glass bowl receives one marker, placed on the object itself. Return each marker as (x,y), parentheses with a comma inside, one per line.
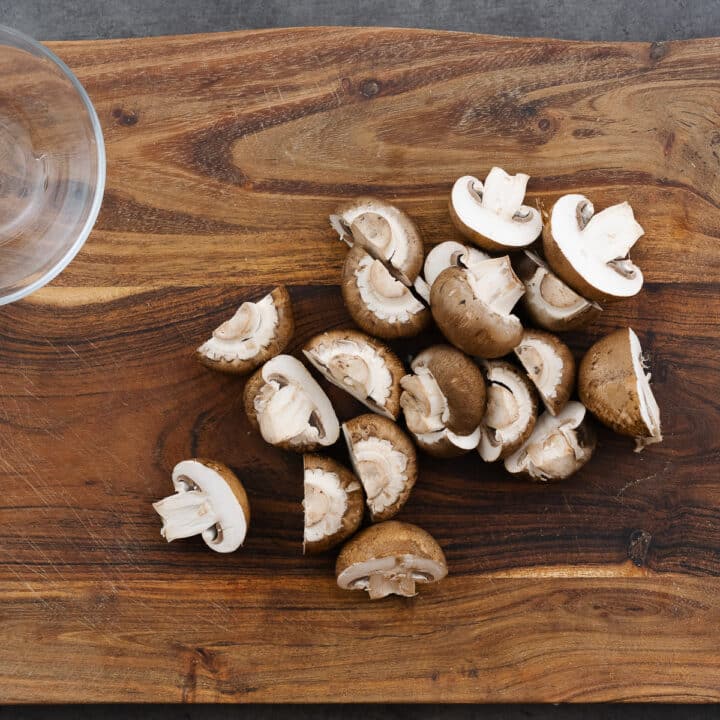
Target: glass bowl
(52,165)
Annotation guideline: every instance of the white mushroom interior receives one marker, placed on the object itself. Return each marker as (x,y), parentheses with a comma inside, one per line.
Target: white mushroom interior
(449,254)
(250,330)
(354,366)
(422,289)
(649,410)
(597,245)
(325,503)
(509,410)
(464,442)
(553,449)
(382,294)
(394,575)
(542,363)
(203,504)
(495,283)
(292,407)
(495,208)
(423,402)
(381,469)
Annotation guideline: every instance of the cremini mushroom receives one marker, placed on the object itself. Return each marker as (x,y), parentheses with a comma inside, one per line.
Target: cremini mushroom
(290,409)
(558,446)
(450,254)
(384,231)
(210,501)
(473,305)
(492,214)
(362,366)
(589,251)
(384,460)
(381,305)
(614,386)
(549,302)
(390,558)
(550,365)
(255,333)
(333,503)
(444,401)
(511,411)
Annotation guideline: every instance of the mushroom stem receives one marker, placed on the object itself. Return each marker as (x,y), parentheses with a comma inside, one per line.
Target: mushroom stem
(185,514)
(494,282)
(381,585)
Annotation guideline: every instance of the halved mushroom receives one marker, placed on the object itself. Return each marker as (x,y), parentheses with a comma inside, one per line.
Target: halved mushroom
(384,231)
(558,446)
(548,301)
(255,333)
(390,558)
(590,251)
(444,401)
(210,501)
(377,302)
(366,368)
(511,411)
(472,307)
(550,365)
(492,215)
(290,409)
(384,460)
(333,503)
(614,386)
(450,254)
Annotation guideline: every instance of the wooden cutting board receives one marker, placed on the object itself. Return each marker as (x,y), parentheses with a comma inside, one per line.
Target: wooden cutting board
(225,155)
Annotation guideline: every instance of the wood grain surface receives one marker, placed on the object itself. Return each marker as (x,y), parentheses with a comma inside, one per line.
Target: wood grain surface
(225,155)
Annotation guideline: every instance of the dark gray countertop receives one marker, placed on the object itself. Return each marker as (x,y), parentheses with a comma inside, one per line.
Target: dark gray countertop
(576,19)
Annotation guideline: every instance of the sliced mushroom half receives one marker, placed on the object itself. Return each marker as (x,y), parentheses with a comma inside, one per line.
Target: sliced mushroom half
(558,446)
(381,305)
(492,214)
(210,501)
(472,306)
(384,460)
(613,384)
(289,408)
(384,231)
(511,411)
(450,254)
(550,365)
(333,503)
(255,333)
(364,367)
(444,401)
(589,251)
(549,302)
(390,558)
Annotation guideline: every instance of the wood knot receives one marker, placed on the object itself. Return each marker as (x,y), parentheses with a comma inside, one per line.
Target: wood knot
(125,118)
(658,50)
(638,546)
(544,124)
(369,88)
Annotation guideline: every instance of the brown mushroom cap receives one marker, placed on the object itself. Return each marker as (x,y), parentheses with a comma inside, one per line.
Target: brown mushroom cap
(377,446)
(282,335)
(354,502)
(407,316)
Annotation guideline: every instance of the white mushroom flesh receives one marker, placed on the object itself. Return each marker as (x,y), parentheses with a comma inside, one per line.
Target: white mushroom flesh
(422,289)
(325,503)
(464,442)
(381,469)
(393,575)
(423,402)
(449,254)
(597,245)
(383,295)
(559,301)
(291,407)
(250,330)
(203,504)
(649,410)
(495,283)
(543,365)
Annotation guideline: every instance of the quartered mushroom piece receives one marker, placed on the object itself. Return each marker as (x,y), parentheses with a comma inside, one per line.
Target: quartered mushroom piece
(384,231)
(384,460)
(549,302)
(511,411)
(285,403)
(255,333)
(333,503)
(558,446)
(472,306)
(444,401)
(390,558)
(362,366)
(550,365)
(210,501)
(589,250)
(613,384)
(492,214)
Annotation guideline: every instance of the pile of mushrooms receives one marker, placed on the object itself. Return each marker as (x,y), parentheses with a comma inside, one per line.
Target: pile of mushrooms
(499,301)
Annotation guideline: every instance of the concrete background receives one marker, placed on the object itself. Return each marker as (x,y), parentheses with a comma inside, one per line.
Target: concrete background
(575,19)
